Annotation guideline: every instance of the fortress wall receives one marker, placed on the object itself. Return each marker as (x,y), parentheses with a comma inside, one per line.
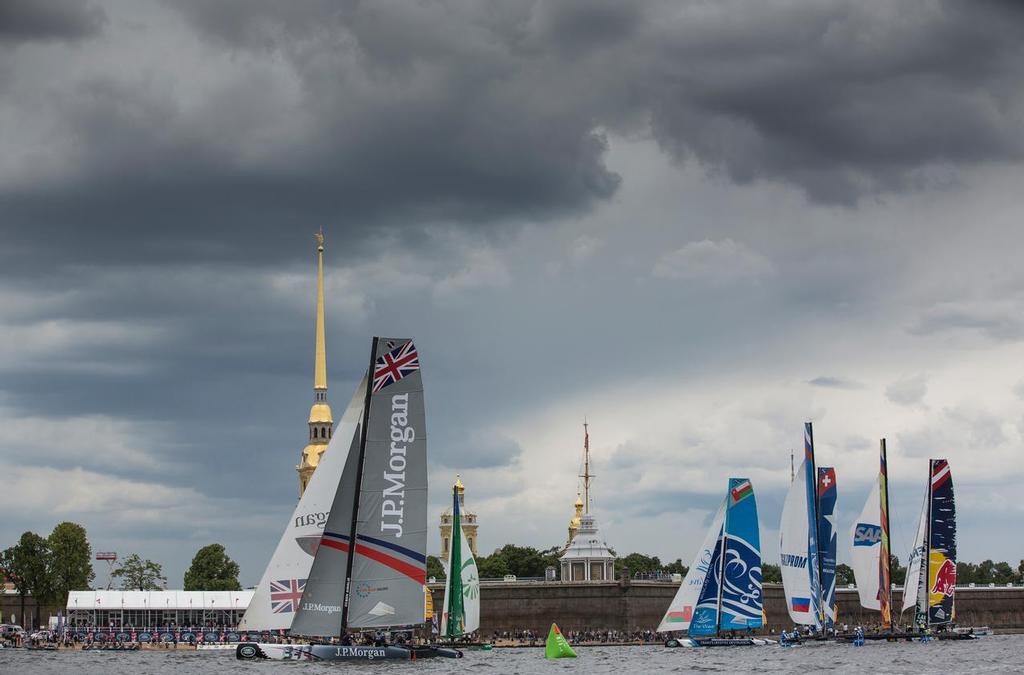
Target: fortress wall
(639,605)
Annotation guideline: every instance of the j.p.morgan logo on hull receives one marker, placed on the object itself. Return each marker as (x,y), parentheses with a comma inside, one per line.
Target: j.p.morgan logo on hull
(360,652)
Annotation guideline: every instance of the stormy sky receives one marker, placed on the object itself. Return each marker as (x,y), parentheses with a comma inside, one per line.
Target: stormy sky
(694,224)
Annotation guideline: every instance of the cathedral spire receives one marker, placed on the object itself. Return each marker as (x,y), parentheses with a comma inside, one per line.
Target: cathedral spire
(321,422)
(320,364)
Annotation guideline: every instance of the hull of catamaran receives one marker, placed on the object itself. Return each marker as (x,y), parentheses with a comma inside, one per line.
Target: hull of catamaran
(718,642)
(254,651)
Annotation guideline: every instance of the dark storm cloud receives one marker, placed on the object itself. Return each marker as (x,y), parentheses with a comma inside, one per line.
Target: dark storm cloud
(36,20)
(396,114)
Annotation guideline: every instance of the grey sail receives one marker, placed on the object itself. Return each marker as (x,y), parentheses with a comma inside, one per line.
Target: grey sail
(319,612)
(389,568)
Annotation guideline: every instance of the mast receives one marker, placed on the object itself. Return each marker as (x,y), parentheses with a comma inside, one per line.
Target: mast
(928,549)
(721,570)
(792,473)
(359,484)
(885,590)
(586,475)
(453,599)
(815,508)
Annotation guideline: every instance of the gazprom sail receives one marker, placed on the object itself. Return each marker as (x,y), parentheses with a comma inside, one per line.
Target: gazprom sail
(808,542)
(931,572)
(722,590)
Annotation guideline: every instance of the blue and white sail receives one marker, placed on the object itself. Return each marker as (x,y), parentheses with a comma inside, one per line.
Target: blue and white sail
(731,597)
(680,613)
(798,542)
(828,542)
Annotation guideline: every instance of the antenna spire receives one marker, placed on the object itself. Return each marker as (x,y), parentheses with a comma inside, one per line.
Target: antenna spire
(586,475)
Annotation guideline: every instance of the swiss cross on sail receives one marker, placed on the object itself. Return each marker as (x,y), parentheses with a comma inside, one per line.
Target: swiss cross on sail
(394,365)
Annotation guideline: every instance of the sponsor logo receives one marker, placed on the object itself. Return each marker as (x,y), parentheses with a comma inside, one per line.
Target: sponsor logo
(308,519)
(364,589)
(867,534)
(392,507)
(945,579)
(790,560)
(359,652)
(247,651)
(322,608)
(381,609)
(309,544)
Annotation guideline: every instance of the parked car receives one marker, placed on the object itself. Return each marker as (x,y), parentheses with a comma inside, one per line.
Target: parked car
(10,631)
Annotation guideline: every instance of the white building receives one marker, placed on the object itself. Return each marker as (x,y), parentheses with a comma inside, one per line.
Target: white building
(152,609)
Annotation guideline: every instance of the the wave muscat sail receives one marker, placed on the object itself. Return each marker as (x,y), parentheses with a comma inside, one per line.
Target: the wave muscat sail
(828,541)
(731,596)
(274,604)
(680,612)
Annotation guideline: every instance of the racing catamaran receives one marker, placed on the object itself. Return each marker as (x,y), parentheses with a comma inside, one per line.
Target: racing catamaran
(931,571)
(722,589)
(807,542)
(379,504)
(869,547)
(461,614)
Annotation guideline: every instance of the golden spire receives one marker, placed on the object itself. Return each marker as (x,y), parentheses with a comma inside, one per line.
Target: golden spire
(458,484)
(586,475)
(320,366)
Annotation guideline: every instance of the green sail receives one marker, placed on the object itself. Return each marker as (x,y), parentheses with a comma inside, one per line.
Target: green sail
(453,598)
(557,647)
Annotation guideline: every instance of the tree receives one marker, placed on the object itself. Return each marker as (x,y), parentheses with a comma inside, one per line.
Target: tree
(677,567)
(771,574)
(897,573)
(26,564)
(140,575)
(70,561)
(844,575)
(435,568)
(638,563)
(212,570)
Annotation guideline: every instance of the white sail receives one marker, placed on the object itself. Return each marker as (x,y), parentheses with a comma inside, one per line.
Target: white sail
(470,590)
(865,549)
(793,552)
(680,611)
(915,568)
(277,596)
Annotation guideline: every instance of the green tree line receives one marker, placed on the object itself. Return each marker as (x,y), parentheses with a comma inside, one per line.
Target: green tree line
(49,568)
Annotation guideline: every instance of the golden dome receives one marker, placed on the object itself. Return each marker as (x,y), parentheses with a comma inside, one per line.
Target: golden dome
(458,484)
(320,413)
(579,500)
(311,454)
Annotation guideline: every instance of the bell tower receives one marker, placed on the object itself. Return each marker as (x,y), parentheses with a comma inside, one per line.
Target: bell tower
(321,423)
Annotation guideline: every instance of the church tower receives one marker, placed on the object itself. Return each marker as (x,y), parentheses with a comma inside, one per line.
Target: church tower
(321,424)
(468,519)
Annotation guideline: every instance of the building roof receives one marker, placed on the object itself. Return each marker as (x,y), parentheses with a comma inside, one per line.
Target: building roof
(159,599)
(588,543)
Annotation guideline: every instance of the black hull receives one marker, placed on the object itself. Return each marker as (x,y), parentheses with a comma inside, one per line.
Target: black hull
(256,651)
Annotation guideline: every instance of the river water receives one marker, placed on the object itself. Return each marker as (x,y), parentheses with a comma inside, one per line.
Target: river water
(997,654)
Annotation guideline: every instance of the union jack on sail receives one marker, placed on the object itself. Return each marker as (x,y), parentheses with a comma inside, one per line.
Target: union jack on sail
(286,594)
(394,365)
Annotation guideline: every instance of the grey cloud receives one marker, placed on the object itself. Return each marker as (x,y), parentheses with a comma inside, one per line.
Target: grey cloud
(908,390)
(40,20)
(834,382)
(997,321)
(478,450)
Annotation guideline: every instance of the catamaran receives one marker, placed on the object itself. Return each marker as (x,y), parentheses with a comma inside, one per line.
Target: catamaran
(931,572)
(807,543)
(869,547)
(722,589)
(461,614)
(378,502)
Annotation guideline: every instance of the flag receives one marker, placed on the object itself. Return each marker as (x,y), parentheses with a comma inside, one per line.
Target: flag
(394,365)
(742,491)
(801,604)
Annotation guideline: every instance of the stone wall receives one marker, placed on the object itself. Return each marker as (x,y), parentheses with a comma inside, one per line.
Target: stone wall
(10,603)
(639,605)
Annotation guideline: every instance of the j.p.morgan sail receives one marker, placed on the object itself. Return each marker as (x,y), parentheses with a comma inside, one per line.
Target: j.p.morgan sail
(869,546)
(730,597)
(461,613)
(808,540)
(277,595)
(931,573)
(370,566)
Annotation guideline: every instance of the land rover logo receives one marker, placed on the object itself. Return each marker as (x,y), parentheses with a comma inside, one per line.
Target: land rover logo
(247,651)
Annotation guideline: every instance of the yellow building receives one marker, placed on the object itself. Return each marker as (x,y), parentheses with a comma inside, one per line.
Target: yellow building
(468,523)
(321,423)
